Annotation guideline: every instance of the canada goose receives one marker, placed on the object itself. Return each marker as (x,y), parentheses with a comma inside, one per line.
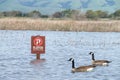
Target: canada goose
(81,68)
(99,62)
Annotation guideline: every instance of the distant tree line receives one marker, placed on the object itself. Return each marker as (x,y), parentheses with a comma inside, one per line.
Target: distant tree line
(90,14)
(102,14)
(65,14)
(33,14)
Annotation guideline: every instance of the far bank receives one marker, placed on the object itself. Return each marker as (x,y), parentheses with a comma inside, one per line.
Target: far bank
(59,25)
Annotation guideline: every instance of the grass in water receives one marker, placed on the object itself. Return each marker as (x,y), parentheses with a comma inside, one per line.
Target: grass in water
(59,25)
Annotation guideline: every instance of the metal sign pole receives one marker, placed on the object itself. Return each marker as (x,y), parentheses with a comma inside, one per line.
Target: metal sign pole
(37,56)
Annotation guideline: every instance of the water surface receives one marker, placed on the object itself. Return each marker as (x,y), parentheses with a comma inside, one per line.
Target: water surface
(17,62)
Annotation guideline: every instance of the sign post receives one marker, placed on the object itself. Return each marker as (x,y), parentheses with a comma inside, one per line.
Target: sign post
(38,45)
(37,56)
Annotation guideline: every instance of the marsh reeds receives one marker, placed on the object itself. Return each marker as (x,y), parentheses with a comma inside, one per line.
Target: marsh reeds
(59,25)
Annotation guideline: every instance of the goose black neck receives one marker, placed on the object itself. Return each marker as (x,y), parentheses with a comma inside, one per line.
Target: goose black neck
(73,64)
(93,57)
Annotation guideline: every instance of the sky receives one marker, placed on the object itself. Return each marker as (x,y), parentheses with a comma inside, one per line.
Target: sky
(52,6)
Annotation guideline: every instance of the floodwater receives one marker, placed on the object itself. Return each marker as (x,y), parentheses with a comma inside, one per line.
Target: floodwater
(17,62)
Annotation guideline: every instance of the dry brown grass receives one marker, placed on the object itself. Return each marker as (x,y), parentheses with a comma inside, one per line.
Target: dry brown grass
(58,25)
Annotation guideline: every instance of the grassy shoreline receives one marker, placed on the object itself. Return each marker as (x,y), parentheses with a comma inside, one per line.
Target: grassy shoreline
(59,25)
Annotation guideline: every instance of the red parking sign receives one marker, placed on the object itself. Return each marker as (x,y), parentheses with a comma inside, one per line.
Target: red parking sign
(38,44)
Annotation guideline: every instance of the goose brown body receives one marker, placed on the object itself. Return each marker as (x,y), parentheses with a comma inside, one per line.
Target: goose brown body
(83,68)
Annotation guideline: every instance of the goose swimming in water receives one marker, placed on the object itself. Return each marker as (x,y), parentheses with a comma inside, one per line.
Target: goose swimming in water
(99,62)
(81,68)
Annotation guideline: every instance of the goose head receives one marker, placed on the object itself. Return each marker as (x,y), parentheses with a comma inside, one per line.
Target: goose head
(91,53)
(71,59)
